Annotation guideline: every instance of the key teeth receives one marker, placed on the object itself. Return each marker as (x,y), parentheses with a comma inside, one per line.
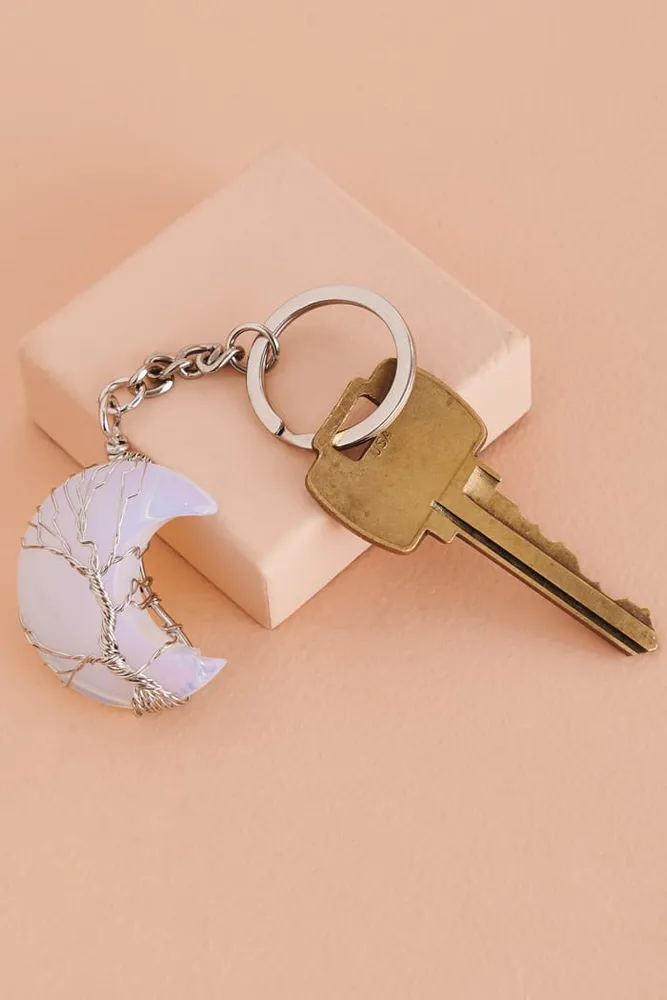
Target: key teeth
(508,512)
(560,552)
(567,558)
(643,614)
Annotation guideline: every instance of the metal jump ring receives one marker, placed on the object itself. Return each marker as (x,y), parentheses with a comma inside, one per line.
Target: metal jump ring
(271,345)
(285,314)
(108,414)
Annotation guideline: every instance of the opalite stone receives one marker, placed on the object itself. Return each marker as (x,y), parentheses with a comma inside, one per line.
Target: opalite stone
(81,556)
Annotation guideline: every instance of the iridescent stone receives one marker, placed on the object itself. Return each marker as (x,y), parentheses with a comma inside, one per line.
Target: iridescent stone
(82,587)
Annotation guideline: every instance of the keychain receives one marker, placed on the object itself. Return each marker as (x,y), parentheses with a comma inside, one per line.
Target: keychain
(88,606)
(85,601)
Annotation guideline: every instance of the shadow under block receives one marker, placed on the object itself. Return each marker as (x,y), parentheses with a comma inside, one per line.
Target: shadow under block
(277,229)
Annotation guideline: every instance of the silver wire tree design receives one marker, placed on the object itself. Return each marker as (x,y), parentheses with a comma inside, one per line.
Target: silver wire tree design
(46,533)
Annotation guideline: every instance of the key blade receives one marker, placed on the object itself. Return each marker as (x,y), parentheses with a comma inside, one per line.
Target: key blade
(495,526)
(481,487)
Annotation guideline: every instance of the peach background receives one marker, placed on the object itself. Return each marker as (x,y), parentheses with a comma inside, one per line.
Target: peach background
(429,783)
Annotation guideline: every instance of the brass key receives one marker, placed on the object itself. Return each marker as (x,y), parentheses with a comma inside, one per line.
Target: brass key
(422,476)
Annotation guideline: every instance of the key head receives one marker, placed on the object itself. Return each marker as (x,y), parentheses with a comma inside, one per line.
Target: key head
(386,494)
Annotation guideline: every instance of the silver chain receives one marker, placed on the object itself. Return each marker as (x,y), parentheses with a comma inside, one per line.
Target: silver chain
(158,372)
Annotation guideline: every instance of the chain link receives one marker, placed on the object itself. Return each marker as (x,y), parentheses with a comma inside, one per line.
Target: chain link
(158,373)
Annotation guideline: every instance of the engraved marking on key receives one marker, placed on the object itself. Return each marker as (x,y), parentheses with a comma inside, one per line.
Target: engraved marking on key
(422,476)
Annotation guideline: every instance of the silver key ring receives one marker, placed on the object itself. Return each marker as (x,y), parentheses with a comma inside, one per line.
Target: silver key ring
(285,314)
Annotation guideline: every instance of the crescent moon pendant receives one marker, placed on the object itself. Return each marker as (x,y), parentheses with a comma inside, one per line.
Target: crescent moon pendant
(85,601)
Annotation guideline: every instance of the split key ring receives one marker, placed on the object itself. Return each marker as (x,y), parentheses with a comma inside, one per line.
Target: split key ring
(284,315)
